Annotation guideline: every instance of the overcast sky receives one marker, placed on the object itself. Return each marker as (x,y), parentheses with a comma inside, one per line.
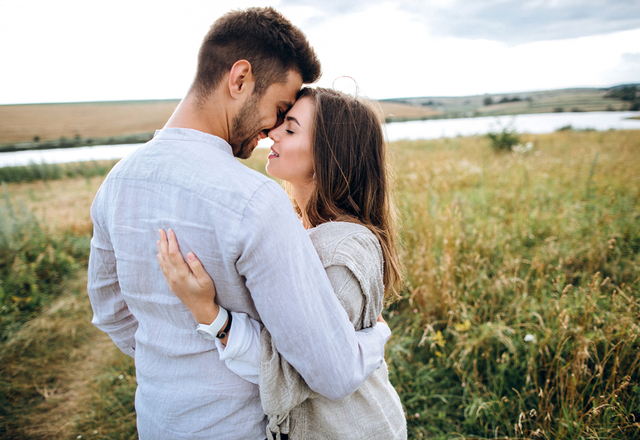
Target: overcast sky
(83,50)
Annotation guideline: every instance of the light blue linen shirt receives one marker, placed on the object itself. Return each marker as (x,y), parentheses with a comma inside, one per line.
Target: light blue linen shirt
(242,226)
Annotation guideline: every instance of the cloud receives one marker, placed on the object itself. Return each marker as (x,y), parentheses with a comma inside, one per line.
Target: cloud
(627,70)
(510,21)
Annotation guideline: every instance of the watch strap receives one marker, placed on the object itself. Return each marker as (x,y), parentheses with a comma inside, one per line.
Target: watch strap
(225,331)
(211,331)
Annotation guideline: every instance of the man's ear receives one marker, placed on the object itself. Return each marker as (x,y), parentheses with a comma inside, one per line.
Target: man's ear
(241,79)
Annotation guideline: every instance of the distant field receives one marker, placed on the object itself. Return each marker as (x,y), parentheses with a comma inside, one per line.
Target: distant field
(548,101)
(39,125)
(22,123)
(395,110)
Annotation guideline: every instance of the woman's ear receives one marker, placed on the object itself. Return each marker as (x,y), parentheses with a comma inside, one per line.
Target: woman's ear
(241,80)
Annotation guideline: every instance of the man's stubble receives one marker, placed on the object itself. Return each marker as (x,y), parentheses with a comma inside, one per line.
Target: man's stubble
(246,126)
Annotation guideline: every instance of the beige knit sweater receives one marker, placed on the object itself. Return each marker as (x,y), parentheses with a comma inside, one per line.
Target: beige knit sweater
(352,257)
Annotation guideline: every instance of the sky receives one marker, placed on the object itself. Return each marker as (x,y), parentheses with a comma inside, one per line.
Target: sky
(83,50)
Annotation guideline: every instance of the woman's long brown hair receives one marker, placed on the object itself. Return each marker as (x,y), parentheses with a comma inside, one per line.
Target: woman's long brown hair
(354,181)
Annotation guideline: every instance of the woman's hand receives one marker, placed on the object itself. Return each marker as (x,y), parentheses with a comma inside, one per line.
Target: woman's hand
(189,282)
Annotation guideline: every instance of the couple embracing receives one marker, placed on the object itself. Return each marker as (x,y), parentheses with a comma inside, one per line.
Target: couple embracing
(271,327)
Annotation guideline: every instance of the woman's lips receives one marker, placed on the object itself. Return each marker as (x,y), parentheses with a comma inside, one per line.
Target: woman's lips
(273,154)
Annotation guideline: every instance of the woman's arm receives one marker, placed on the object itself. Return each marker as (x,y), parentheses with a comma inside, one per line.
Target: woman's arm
(240,348)
(189,282)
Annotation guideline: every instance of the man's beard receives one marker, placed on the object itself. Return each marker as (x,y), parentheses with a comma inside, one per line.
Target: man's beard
(245,128)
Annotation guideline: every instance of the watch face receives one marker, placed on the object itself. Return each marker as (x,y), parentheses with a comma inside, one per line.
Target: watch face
(205,334)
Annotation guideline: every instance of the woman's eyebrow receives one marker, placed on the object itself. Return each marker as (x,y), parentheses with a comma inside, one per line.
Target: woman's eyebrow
(291,118)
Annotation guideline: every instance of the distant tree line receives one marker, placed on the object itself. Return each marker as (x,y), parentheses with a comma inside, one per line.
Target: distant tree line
(630,93)
(489,100)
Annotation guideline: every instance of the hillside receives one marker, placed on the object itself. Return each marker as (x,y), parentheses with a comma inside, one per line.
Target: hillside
(624,97)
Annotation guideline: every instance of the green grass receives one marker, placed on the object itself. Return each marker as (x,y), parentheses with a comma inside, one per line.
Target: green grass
(44,171)
(33,265)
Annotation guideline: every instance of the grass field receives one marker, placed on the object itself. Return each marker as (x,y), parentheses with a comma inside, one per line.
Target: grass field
(519,318)
(22,123)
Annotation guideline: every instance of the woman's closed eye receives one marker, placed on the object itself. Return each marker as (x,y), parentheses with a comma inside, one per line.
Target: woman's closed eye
(289,131)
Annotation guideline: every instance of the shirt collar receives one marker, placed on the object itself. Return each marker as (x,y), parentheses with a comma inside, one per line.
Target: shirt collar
(191,135)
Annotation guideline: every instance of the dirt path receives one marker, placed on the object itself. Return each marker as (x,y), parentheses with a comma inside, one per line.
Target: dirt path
(59,355)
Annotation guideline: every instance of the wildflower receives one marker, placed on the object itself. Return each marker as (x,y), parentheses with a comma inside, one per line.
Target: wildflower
(121,377)
(439,339)
(463,327)
(519,148)
(529,338)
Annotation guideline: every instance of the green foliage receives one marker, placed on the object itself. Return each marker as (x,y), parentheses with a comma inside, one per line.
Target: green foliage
(33,265)
(503,140)
(624,93)
(46,172)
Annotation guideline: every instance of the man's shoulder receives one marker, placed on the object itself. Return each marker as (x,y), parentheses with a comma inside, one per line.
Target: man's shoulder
(201,170)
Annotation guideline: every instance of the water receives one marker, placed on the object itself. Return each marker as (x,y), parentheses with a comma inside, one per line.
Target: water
(431,129)
(537,123)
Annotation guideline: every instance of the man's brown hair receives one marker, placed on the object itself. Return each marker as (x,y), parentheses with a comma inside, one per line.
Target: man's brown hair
(353,178)
(267,40)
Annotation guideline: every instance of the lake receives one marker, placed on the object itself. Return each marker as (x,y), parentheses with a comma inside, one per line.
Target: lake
(430,129)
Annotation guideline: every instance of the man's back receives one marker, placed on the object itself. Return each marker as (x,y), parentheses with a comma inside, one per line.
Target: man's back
(196,187)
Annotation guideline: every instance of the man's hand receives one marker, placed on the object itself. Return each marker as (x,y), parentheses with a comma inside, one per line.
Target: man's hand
(189,282)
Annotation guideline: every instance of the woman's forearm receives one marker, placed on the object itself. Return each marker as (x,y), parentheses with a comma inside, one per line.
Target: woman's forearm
(241,351)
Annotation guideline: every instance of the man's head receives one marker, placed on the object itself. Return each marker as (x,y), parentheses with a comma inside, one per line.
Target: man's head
(276,54)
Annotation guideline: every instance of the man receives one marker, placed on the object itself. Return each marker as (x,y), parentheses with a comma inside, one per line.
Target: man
(242,226)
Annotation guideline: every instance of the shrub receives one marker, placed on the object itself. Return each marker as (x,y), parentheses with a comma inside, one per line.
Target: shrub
(503,140)
(33,265)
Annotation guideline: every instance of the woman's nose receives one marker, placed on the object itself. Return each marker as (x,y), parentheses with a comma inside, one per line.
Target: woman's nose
(274,134)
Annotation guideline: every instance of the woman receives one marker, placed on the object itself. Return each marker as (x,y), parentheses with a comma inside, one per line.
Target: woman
(331,153)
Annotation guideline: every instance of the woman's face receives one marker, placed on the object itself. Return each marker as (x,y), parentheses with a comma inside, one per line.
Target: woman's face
(291,159)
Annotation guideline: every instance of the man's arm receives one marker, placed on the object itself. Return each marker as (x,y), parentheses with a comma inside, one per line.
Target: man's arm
(110,312)
(292,293)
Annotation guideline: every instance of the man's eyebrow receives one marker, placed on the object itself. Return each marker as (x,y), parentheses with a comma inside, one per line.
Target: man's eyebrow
(286,105)
(291,118)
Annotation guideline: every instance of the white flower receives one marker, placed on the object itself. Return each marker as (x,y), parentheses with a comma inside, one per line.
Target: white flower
(519,148)
(529,338)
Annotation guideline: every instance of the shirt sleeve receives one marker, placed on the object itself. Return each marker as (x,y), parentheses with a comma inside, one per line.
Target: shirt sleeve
(242,352)
(296,303)
(110,311)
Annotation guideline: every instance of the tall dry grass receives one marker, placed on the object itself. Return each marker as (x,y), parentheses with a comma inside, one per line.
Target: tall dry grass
(521,306)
